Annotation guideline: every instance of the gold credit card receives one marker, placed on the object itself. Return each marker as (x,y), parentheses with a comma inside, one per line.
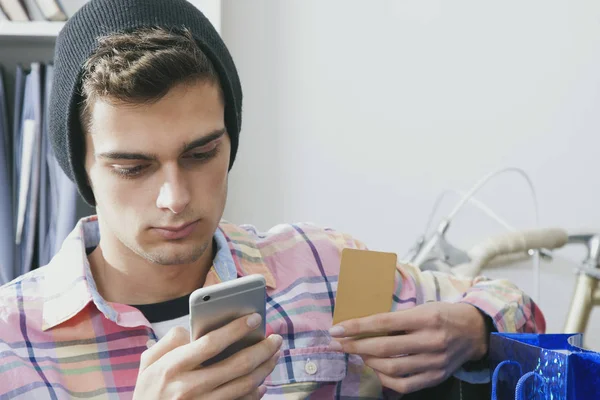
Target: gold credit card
(366,284)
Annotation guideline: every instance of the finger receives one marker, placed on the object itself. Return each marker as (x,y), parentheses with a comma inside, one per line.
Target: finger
(246,384)
(412,383)
(244,362)
(175,337)
(257,394)
(408,365)
(187,358)
(389,346)
(383,323)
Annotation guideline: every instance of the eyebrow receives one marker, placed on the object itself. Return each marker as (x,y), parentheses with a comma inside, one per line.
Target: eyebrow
(122,155)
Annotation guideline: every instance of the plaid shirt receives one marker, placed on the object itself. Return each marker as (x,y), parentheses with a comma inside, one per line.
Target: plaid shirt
(60,339)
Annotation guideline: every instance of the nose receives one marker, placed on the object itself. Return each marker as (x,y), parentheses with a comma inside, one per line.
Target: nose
(174,194)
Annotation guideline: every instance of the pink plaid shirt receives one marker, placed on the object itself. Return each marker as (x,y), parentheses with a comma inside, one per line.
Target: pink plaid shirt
(60,339)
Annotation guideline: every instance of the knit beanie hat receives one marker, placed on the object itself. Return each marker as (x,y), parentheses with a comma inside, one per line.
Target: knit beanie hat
(76,42)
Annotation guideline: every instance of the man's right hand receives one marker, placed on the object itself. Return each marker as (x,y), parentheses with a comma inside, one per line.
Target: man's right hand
(171,368)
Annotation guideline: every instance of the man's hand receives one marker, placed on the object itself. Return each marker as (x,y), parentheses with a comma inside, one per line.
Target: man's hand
(415,348)
(171,368)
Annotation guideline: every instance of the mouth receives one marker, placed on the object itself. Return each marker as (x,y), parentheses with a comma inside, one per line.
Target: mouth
(176,232)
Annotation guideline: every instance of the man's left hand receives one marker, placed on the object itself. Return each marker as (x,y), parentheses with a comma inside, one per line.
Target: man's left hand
(415,348)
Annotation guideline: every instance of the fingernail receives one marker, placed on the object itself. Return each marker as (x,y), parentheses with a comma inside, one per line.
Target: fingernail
(278,340)
(337,330)
(254,320)
(262,389)
(335,346)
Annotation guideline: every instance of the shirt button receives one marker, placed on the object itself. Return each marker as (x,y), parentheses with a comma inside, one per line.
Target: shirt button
(310,368)
(150,343)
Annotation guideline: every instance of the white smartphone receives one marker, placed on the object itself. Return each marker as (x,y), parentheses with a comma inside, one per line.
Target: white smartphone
(215,306)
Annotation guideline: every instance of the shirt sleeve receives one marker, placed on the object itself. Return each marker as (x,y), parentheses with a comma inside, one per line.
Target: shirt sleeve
(510,309)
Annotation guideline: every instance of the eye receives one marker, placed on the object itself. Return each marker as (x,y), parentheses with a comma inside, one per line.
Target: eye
(129,172)
(203,156)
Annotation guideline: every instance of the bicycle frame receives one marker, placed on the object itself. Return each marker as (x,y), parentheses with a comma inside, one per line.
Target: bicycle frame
(587,292)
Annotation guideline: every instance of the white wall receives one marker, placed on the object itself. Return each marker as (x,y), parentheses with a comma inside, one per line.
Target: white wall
(358,113)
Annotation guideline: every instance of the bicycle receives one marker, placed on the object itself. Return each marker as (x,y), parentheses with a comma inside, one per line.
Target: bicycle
(435,252)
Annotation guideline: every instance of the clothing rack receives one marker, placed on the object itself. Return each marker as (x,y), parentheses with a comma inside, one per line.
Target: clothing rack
(22,44)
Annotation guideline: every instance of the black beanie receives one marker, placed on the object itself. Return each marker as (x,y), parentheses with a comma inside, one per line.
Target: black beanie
(77,41)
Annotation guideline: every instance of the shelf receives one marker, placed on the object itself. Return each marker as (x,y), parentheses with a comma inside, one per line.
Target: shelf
(31,29)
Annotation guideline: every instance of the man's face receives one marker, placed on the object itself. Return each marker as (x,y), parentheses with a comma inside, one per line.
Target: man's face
(159,173)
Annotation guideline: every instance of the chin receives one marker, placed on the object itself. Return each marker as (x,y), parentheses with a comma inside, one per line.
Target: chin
(177,252)
(166,257)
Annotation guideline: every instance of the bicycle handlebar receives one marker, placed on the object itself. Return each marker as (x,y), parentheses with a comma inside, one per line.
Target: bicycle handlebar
(510,243)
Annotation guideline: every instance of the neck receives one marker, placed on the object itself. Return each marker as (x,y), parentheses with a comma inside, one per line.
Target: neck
(122,276)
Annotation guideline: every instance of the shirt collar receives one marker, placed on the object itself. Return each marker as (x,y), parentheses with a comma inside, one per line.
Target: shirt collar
(69,285)
(66,281)
(223,262)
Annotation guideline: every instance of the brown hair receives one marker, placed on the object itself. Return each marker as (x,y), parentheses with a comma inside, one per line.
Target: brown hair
(141,67)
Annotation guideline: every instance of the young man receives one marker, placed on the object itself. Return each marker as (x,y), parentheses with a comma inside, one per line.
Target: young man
(145,118)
